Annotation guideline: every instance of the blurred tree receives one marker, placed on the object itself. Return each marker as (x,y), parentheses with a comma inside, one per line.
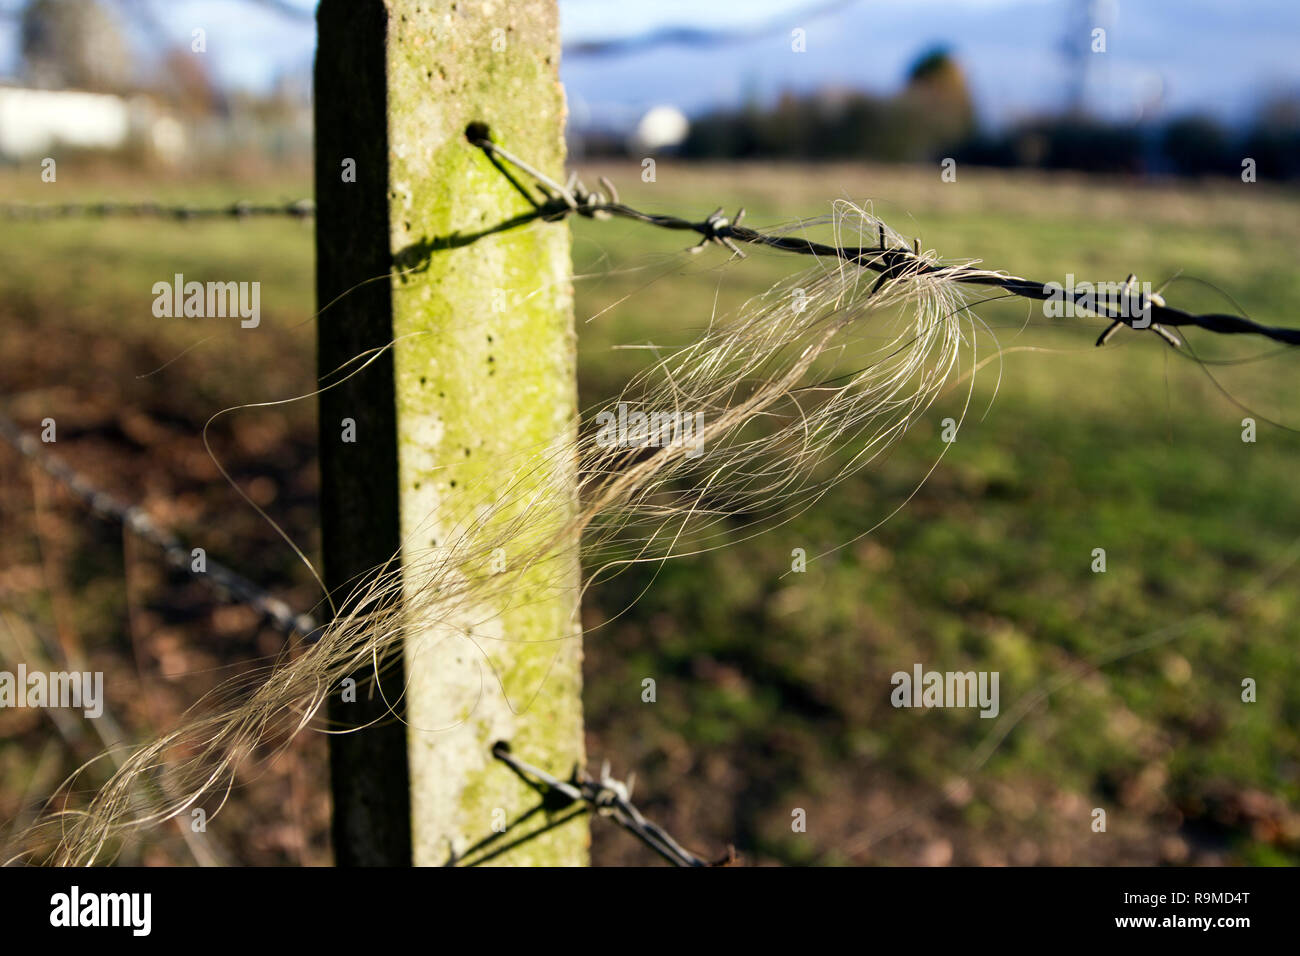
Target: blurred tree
(74,44)
(935,108)
(187,85)
(1198,146)
(933,113)
(1274,139)
(936,74)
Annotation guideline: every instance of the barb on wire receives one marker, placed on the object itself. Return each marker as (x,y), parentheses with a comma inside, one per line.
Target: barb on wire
(609,798)
(228,583)
(1138,310)
(297,209)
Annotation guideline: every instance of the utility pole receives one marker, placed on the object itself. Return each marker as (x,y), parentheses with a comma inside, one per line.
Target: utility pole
(481,372)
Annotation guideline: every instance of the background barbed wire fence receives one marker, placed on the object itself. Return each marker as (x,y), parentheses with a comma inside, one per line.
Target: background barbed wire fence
(298,209)
(604,796)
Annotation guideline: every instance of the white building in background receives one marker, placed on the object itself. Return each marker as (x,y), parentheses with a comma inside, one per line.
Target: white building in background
(33,122)
(663,127)
(38,122)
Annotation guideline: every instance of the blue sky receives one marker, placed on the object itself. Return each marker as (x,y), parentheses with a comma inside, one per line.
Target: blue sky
(1164,57)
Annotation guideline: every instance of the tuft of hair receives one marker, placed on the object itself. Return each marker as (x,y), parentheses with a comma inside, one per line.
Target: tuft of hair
(802,386)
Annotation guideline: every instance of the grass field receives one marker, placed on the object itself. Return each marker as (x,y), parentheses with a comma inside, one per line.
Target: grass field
(773,689)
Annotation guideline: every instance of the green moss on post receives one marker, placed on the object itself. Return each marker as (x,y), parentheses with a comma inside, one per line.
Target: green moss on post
(490,378)
(486,380)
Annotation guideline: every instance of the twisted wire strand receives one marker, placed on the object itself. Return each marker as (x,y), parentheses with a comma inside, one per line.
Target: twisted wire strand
(297,209)
(228,583)
(563,201)
(609,798)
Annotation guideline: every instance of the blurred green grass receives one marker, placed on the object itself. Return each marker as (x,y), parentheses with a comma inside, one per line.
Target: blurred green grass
(773,688)
(988,567)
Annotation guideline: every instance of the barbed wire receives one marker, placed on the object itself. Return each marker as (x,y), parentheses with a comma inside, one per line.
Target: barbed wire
(229,584)
(605,796)
(565,200)
(297,209)
(673,35)
(609,798)
(700,39)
